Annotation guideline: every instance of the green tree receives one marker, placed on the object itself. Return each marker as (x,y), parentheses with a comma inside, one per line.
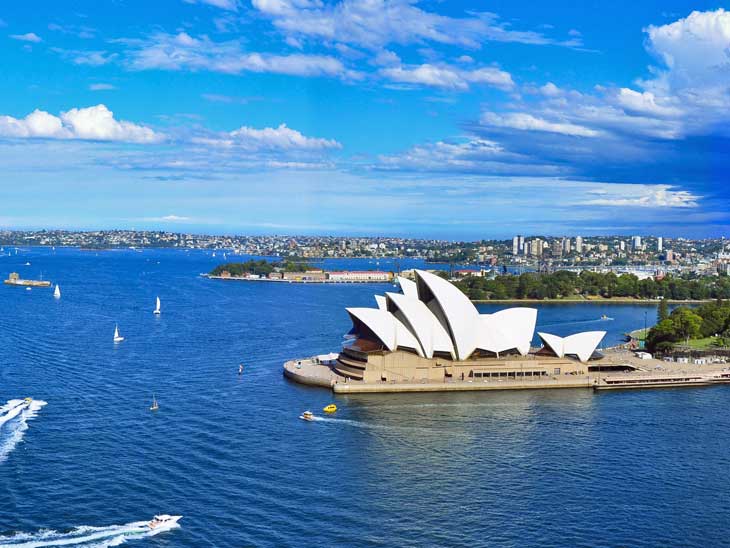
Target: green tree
(686,323)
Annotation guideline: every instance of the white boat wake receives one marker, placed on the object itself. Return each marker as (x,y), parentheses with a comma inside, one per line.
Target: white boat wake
(88,537)
(14,417)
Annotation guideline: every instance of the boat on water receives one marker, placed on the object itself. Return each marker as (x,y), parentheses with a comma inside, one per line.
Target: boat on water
(604,317)
(307,416)
(331,408)
(157,307)
(155,406)
(26,264)
(162,520)
(57,292)
(117,338)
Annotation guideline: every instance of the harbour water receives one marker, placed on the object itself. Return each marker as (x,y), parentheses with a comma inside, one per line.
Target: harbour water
(532,468)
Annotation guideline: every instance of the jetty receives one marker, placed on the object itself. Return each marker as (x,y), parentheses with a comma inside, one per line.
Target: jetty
(15,279)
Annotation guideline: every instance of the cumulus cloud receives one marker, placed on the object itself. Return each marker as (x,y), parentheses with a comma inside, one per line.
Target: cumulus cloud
(27,37)
(448,77)
(280,138)
(377,23)
(92,123)
(184,52)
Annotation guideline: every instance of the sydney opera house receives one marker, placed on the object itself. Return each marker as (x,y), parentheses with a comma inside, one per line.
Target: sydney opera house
(431,332)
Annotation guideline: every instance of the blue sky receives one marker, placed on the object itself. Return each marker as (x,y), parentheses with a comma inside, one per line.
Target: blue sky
(439,119)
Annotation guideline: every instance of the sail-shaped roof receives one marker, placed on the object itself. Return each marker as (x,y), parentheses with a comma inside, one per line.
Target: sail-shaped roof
(457,312)
(508,329)
(386,327)
(423,324)
(581,345)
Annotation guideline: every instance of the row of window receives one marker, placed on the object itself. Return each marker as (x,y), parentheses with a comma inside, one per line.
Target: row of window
(513,374)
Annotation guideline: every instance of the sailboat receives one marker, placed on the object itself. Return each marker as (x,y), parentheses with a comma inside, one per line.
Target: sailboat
(157,308)
(117,338)
(57,292)
(154,406)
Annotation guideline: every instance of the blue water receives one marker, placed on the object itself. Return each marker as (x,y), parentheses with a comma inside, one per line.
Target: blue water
(532,468)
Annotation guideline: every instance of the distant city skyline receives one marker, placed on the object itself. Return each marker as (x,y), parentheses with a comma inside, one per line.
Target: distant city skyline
(394,117)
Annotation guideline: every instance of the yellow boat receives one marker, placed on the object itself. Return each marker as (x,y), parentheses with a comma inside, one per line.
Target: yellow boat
(331,408)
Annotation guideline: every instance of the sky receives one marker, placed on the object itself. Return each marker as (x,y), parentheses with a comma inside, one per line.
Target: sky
(440,119)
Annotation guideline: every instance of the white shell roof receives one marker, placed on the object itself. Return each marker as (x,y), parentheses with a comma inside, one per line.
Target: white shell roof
(507,329)
(433,315)
(461,316)
(408,287)
(391,332)
(424,325)
(580,344)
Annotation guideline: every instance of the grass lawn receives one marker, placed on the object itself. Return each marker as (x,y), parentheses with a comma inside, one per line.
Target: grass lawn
(701,344)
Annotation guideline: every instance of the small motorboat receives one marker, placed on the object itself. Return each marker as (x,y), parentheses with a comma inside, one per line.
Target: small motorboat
(604,317)
(27,401)
(163,520)
(307,416)
(331,408)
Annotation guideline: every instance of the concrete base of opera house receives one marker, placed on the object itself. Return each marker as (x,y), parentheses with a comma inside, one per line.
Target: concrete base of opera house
(315,372)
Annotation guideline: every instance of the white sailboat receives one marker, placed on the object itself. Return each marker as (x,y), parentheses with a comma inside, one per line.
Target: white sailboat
(157,308)
(155,406)
(57,292)
(117,337)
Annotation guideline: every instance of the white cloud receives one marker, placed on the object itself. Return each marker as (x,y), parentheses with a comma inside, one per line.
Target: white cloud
(376,23)
(27,37)
(101,87)
(184,52)
(694,49)
(92,123)
(445,76)
(645,103)
(229,5)
(654,196)
(90,58)
(528,122)
(280,138)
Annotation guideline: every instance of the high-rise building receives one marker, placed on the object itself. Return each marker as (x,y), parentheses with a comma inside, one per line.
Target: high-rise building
(557,248)
(579,244)
(521,244)
(622,245)
(636,243)
(659,244)
(515,245)
(566,246)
